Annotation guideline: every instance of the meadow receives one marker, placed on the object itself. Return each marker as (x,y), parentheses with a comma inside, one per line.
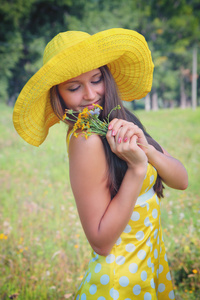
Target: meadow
(43,250)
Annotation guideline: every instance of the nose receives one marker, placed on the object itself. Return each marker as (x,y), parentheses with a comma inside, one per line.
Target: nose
(89,92)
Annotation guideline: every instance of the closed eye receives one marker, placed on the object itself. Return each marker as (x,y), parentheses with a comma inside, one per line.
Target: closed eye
(73,89)
(98,80)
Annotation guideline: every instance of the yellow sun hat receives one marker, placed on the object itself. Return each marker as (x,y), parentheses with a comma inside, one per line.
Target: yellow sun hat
(72,53)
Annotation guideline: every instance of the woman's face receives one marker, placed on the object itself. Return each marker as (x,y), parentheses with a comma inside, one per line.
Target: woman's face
(83,90)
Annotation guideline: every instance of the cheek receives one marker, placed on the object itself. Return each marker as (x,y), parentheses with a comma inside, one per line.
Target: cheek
(102,89)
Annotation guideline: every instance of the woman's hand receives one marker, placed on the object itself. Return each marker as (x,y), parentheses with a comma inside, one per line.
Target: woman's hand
(127,141)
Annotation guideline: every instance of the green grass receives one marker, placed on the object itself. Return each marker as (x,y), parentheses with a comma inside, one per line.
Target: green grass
(43,251)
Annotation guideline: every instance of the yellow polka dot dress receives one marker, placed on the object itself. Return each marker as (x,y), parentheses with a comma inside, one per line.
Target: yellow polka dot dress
(137,266)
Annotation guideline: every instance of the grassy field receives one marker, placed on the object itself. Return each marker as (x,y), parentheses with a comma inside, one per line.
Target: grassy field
(43,251)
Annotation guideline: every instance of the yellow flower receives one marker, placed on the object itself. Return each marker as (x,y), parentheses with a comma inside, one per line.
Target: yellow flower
(86,136)
(194,271)
(1,236)
(87,125)
(75,134)
(76,246)
(97,105)
(64,116)
(85,110)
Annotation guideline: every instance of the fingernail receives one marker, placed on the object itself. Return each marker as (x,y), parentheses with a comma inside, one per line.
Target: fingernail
(125,139)
(119,140)
(109,126)
(113,133)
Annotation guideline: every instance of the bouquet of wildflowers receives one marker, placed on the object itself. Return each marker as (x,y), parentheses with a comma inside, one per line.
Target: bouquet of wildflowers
(87,121)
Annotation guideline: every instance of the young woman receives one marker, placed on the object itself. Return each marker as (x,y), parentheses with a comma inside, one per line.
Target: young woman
(117,180)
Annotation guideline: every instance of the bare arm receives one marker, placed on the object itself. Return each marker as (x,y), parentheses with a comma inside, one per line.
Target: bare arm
(104,220)
(171,170)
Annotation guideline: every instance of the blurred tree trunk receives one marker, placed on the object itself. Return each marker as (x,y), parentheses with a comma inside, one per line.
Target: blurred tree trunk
(194,79)
(147,102)
(183,97)
(154,100)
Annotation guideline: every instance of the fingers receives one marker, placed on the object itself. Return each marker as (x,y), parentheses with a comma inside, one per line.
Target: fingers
(123,130)
(124,136)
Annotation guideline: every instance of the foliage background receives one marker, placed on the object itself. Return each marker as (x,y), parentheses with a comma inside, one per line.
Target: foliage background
(43,251)
(170,27)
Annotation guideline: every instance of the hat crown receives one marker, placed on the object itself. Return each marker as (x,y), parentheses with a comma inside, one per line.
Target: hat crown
(61,42)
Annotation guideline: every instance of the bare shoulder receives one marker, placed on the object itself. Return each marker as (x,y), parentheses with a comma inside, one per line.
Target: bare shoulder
(88,176)
(93,141)
(81,148)
(87,160)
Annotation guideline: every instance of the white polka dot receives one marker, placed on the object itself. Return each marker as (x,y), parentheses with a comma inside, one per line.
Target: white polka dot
(157,273)
(148,242)
(97,268)
(147,296)
(93,289)
(165,257)
(141,200)
(77,298)
(151,179)
(80,286)
(114,294)
(155,233)
(110,258)
(137,289)
(144,275)
(154,213)
(157,200)
(83,297)
(104,279)
(139,235)
(152,283)
(124,281)
(88,277)
(161,287)
(171,295)
(160,269)
(101,298)
(95,258)
(147,222)
(133,268)
(135,216)
(168,276)
(130,247)
(127,299)
(120,260)
(141,254)
(156,253)
(127,229)
(118,242)
(158,242)
(149,262)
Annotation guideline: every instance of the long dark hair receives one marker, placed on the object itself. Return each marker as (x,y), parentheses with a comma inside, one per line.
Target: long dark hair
(116,166)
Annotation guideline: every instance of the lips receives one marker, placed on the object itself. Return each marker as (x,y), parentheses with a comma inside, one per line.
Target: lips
(91,106)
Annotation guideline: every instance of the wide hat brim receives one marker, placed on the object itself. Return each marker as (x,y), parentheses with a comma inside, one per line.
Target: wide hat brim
(124,51)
